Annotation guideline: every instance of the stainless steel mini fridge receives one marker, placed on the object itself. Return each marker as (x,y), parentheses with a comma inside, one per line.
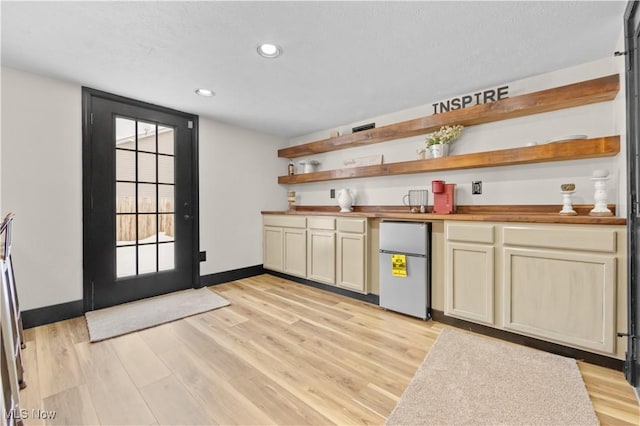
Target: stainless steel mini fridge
(405,262)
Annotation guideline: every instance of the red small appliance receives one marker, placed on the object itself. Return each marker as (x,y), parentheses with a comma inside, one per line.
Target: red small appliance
(444,197)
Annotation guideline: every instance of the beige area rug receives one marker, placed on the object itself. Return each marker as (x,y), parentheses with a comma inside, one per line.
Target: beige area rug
(467,379)
(126,318)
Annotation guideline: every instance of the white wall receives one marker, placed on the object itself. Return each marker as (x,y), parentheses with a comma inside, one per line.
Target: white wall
(526,184)
(41,182)
(42,185)
(238,179)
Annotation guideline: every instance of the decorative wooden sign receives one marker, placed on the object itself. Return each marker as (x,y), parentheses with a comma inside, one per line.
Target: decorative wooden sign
(484,97)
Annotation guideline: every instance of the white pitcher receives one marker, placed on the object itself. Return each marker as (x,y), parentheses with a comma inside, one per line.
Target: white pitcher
(345,199)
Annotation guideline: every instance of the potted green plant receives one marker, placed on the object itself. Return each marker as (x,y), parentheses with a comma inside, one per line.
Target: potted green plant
(438,142)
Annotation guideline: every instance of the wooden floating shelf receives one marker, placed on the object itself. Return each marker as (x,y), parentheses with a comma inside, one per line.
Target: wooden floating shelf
(560,151)
(572,95)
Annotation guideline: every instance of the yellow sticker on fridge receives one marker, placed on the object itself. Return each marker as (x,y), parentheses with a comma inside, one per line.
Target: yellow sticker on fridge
(399,265)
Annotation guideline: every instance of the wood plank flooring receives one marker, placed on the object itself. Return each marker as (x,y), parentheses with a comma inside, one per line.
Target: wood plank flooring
(282,353)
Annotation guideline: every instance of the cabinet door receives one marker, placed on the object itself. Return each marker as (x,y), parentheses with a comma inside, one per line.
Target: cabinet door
(295,251)
(351,261)
(321,255)
(469,282)
(272,246)
(564,296)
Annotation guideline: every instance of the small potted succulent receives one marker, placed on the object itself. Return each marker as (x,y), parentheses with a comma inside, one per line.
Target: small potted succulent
(438,142)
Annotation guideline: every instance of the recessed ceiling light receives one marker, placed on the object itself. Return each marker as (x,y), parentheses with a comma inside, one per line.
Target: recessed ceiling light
(269,50)
(205,92)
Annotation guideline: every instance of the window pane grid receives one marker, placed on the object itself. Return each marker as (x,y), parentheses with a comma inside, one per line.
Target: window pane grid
(146,244)
(157,198)
(160,154)
(146,235)
(136,203)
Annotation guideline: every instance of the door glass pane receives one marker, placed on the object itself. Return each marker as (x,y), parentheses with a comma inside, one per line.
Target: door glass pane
(125,229)
(165,201)
(125,165)
(166,227)
(146,198)
(146,167)
(166,256)
(125,197)
(125,133)
(146,137)
(125,261)
(165,169)
(147,258)
(165,140)
(147,228)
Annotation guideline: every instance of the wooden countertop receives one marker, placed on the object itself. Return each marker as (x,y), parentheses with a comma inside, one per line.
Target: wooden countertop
(536,214)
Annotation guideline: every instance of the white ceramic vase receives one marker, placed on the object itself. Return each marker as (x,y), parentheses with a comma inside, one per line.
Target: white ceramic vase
(345,199)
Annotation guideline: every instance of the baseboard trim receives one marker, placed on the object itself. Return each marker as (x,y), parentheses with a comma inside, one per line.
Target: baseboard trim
(63,311)
(233,275)
(54,313)
(370,298)
(554,348)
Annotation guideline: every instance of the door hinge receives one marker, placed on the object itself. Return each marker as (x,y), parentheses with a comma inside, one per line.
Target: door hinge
(190,124)
(91,119)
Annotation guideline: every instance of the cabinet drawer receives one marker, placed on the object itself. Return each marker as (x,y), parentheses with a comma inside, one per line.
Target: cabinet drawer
(326,223)
(285,221)
(352,225)
(602,240)
(470,232)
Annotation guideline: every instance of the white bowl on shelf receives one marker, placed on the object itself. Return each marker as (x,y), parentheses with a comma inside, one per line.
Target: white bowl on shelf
(566,138)
(600,173)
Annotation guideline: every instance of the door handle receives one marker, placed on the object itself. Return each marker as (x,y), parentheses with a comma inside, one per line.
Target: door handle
(187,211)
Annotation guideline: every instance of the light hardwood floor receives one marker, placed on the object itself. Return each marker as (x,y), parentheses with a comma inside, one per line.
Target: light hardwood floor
(282,353)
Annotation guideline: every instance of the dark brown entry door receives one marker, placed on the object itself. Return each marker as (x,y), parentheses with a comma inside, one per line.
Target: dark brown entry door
(140,218)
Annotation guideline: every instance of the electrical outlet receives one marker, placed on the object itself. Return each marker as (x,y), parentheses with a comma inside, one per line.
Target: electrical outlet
(332,193)
(476,187)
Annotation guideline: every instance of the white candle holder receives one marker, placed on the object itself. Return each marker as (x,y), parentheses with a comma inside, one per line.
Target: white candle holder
(567,208)
(600,178)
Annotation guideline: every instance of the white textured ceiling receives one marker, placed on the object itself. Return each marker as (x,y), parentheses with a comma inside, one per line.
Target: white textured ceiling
(342,61)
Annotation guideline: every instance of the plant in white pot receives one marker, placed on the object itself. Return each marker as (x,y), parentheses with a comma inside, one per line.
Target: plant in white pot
(438,142)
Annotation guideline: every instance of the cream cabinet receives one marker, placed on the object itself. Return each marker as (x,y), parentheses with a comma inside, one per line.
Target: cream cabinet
(559,283)
(326,249)
(321,249)
(284,244)
(272,248)
(294,251)
(469,272)
(351,261)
